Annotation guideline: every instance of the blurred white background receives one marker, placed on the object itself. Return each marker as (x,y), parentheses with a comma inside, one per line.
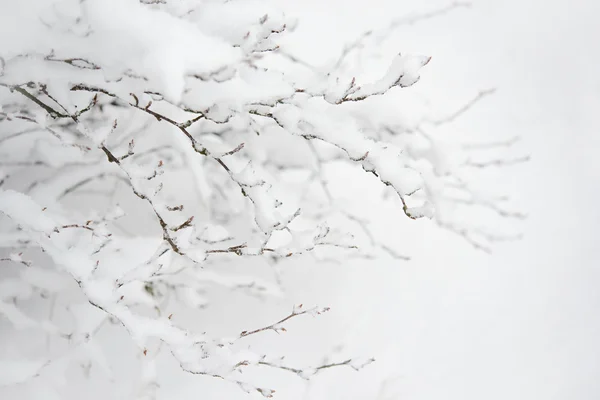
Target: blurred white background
(455,323)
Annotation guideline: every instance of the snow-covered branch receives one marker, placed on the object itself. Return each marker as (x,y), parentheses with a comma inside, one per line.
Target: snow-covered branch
(146,144)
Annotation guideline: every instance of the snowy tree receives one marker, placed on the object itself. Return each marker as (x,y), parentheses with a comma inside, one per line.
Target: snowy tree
(145,144)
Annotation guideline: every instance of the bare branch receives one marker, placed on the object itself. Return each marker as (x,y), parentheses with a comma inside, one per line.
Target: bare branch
(276,326)
(307,373)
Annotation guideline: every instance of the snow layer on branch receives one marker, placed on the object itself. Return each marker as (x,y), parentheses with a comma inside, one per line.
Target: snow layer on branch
(153,43)
(385,159)
(24,211)
(249,86)
(17,371)
(248,22)
(266,206)
(403,72)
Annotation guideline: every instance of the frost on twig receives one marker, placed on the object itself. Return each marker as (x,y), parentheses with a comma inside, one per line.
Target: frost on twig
(307,373)
(276,327)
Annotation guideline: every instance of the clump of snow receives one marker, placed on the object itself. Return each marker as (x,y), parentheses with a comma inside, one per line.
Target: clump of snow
(17,371)
(24,211)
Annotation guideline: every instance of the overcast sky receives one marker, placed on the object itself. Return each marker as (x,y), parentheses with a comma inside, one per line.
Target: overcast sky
(522,323)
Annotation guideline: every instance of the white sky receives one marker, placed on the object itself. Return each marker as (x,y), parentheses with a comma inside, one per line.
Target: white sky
(523,323)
